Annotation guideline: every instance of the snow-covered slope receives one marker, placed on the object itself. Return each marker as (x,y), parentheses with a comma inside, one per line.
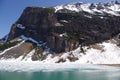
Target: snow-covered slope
(112,7)
(102,53)
(110,54)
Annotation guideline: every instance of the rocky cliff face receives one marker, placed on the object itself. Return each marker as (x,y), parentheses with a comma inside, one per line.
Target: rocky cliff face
(42,25)
(63,32)
(36,22)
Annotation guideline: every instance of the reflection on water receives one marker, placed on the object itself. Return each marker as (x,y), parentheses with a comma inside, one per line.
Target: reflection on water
(73,74)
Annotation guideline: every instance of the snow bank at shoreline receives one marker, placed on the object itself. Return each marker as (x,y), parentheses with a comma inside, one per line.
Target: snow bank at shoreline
(108,54)
(23,66)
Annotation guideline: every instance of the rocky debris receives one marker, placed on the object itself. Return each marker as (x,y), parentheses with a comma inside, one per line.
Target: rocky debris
(38,55)
(116,40)
(61,60)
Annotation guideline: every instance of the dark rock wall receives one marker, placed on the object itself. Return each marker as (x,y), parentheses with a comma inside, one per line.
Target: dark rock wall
(43,24)
(15,32)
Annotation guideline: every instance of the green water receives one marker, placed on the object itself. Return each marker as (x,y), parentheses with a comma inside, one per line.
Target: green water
(61,75)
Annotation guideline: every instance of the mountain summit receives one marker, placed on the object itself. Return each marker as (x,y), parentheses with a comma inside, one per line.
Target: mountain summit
(65,32)
(112,8)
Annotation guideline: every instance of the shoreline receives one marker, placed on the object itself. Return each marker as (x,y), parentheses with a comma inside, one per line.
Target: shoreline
(113,65)
(24,66)
(40,62)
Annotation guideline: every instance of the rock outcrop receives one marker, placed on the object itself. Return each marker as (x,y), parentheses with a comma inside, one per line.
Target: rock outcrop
(19,50)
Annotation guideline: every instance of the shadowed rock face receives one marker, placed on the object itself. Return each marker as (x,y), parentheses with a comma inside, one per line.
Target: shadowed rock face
(43,24)
(37,22)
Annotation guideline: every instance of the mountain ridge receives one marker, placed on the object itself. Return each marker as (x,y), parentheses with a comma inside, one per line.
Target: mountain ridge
(41,32)
(112,7)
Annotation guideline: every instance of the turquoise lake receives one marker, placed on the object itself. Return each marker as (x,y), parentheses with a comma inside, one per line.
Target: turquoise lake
(69,74)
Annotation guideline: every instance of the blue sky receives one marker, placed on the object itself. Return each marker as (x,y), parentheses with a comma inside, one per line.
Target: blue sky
(10,10)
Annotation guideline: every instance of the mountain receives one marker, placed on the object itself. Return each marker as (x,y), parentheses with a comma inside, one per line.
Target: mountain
(81,32)
(112,7)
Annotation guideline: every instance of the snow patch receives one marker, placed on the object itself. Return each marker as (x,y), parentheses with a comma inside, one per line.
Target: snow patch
(64,21)
(32,40)
(28,38)
(64,34)
(88,16)
(59,24)
(29,56)
(20,26)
